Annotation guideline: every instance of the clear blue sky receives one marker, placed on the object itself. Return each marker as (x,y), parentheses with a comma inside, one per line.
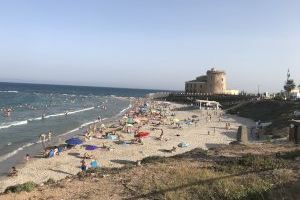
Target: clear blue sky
(149,43)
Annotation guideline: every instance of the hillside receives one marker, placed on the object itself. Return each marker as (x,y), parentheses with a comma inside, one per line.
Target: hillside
(275,111)
(263,171)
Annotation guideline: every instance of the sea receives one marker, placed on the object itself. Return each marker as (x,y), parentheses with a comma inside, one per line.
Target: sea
(64,110)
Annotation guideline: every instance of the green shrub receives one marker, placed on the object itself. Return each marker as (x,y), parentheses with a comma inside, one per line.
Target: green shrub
(154,159)
(291,155)
(28,187)
(94,170)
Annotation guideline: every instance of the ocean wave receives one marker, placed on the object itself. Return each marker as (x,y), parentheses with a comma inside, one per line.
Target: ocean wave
(77,111)
(16,123)
(81,126)
(9,91)
(125,109)
(62,114)
(6,156)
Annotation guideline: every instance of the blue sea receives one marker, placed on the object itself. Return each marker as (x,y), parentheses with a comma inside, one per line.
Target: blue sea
(19,133)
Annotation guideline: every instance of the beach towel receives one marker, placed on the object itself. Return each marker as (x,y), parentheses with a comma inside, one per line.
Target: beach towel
(112,137)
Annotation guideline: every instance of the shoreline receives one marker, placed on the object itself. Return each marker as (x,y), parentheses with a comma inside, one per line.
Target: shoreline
(33,148)
(68,163)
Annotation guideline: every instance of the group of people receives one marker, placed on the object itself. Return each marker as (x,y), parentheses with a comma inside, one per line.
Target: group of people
(84,165)
(7,112)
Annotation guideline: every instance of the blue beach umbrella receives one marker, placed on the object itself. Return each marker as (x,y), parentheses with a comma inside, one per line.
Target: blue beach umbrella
(74,141)
(90,147)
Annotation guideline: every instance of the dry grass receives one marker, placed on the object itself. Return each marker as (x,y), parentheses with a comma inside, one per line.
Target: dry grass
(194,175)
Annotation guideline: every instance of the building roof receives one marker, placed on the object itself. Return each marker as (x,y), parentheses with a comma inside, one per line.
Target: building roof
(195,81)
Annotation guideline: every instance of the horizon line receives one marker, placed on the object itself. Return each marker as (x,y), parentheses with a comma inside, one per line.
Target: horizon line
(75,85)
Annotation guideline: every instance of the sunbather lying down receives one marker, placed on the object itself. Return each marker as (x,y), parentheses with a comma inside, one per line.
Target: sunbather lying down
(88,155)
(109,148)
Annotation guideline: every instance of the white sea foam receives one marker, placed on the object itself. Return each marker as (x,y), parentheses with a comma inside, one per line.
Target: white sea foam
(82,126)
(16,123)
(19,123)
(62,114)
(77,111)
(8,91)
(125,109)
(6,156)
(71,131)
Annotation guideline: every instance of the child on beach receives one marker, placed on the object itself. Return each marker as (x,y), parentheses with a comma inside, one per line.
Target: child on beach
(13,172)
(27,157)
(83,166)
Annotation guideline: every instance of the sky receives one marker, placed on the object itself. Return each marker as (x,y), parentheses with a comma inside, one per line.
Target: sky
(154,44)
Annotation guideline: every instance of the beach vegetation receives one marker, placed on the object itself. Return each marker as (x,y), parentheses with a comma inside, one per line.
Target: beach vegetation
(50,181)
(154,159)
(27,187)
(290,155)
(280,113)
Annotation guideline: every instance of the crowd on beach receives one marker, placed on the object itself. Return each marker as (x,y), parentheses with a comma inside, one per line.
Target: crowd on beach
(153,114)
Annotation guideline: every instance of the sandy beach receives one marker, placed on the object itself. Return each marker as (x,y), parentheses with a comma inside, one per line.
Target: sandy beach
(202,135)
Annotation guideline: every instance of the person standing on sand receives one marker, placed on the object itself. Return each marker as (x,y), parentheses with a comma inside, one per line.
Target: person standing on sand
(161,137)
(27,157)
(83,166)
(43,140)
(49,136)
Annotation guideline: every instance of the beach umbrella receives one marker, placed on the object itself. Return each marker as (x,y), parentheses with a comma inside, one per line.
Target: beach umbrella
(142,134)
(74,141)
(129,125)
(90,147)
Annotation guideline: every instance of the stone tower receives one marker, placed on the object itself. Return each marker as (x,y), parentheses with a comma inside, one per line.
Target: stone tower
(216,81)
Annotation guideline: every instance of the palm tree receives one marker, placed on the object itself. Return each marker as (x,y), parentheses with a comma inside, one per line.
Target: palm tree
(289,85)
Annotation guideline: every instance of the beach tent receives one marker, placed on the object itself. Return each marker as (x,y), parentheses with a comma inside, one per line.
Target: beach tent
(74,141)
(91,147)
